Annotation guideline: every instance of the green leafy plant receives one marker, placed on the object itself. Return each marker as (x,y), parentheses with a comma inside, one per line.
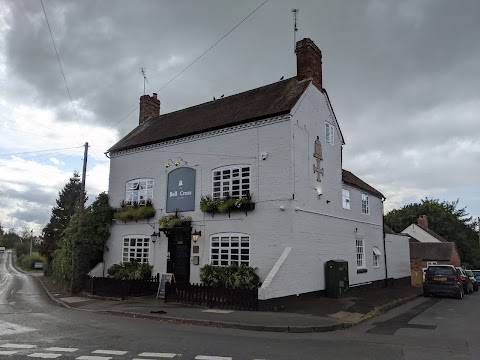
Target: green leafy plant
(174,220)
(209,205)
(226,204)
(231,277)
(130,271)
(134,212)
(27,262)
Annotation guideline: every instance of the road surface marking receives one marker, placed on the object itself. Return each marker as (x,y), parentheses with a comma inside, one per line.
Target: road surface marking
(206,357)
(59,349)
(217,311)
(109,352)
(45,355)
(8,352)
(18,346)
(94,358)
(158,355)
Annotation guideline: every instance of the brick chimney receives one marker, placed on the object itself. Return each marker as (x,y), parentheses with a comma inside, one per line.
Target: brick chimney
(423,221)
(309,62)
(149,107)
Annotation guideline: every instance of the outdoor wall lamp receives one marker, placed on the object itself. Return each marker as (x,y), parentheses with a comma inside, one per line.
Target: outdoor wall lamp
(154,237)
(177,162)
(195,235)
(170,161)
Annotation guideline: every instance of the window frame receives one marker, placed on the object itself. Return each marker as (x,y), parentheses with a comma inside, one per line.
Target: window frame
(146,192)
(365,204)
(215,256)
(376,257)
(144,248)
(218,185)
(330,133)
(346,199)
(360,255)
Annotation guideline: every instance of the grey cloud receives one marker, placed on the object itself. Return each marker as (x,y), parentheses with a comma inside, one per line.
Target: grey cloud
(400,74)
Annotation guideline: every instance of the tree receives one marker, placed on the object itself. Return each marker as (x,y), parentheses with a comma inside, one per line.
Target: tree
(67,204)
(446,220)
(78,253)
(11,239)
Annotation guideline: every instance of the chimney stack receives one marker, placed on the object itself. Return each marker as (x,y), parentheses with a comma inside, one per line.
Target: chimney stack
(309,62)
(423,221)
(149,107)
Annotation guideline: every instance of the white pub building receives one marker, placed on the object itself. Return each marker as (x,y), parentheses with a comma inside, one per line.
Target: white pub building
(280,146)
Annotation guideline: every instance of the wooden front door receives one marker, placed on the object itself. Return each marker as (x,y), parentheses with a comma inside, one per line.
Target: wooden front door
(179,243)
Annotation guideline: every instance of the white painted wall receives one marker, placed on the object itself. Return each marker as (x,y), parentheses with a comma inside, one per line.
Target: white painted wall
(418,233)
(398,255)
(315,229)
(268,226)
(321,229)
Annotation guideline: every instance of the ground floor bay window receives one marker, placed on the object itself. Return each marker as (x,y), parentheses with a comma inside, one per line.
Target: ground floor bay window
(136,248)
(230,248)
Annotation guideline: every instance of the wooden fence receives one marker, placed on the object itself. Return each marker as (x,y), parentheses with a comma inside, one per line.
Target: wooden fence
(103,286)
(196,294)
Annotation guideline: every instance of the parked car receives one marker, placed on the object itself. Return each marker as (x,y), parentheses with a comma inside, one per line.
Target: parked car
(477,274)
(467,283)
(443,280)
(473,279)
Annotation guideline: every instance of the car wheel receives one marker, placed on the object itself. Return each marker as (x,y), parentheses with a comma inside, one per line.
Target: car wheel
(426,294)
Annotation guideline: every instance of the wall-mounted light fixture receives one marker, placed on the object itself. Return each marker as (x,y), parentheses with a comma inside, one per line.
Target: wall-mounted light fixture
(319,191)
(177,162)
(195,235)
(154,237)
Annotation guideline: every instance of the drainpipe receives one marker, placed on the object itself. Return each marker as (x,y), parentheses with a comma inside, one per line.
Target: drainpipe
(385,247)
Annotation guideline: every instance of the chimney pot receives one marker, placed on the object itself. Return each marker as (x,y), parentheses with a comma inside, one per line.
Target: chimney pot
(309,62)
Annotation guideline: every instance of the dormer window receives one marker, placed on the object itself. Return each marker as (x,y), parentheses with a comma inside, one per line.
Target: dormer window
(139,191)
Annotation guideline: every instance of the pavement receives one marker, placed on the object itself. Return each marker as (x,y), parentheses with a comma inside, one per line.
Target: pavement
(317,314)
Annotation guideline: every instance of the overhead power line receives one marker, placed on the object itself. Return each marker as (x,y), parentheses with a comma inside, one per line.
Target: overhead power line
(30,119)
(37,151)
(61,68)
(194,61)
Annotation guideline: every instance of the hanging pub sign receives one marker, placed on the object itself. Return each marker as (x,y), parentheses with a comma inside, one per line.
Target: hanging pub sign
(181,190)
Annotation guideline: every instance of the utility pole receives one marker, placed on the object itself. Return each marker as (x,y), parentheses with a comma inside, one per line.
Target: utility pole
(80,216)
(31,241)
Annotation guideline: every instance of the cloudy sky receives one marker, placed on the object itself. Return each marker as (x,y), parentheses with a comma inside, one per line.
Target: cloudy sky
(403,77)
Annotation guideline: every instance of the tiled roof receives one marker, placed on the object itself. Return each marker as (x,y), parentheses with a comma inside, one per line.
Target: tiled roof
(434,234)
(431,251)
(355,181)
(266,101)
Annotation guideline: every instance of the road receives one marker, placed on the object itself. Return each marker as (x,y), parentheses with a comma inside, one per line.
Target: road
(31,326)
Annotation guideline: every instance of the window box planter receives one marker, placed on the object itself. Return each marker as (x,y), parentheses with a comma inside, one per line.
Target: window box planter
(227,204)
(134,212)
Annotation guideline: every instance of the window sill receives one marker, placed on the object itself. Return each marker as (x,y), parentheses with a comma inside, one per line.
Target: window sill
(361,271)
